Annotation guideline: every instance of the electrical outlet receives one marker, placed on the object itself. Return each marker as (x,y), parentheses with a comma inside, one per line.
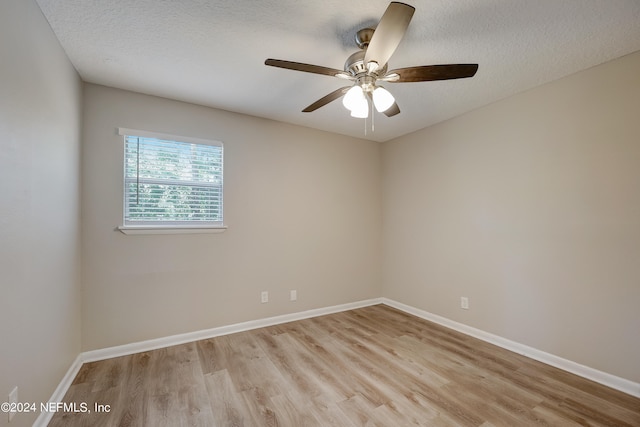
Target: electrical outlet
(264,297)
(464,303)
(293,295)
(13,399)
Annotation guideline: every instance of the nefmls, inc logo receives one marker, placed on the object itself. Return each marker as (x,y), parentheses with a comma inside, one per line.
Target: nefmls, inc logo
(64,407)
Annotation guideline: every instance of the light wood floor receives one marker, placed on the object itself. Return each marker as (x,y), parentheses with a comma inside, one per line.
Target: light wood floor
(374,366)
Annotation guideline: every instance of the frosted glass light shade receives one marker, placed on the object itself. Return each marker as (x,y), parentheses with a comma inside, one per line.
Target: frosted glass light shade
(382,99)
(362,111)
(354,98)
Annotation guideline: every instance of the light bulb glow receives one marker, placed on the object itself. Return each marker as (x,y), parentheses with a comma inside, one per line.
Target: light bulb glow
(350,99)
(354,98)
(361,112)
(382,99)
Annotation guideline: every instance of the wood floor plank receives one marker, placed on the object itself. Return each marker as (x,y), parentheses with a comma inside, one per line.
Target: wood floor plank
(375,366)
(292,410)
(214,353)
(331,415)
(227,406)
(319,385)
(260,409)
(347,381)
(359,410)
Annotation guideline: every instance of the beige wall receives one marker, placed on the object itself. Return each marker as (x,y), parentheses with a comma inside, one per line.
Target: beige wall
(40,114)
(531,208)
(302,207)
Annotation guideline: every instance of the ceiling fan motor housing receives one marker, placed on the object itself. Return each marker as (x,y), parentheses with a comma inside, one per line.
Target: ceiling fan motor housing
(355,66)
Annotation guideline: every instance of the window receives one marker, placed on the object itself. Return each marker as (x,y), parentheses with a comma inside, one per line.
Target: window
(171,182)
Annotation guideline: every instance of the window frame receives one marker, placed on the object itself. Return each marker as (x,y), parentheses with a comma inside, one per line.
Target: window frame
(167,227)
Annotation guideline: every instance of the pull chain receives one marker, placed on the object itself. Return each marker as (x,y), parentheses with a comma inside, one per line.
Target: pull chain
(373,120)
(365,126)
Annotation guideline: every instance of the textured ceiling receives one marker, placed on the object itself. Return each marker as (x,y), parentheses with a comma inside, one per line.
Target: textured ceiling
(212,52)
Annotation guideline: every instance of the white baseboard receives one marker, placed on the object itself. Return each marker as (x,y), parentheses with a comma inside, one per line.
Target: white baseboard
(138,347)
(45,417)
(621,384)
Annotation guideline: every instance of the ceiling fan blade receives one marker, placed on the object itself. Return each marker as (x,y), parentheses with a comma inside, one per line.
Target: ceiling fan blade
(308,68)
(389,33)
(327,99)
(392,111)
(427,73)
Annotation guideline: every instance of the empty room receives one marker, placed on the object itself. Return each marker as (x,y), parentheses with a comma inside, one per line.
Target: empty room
(297,213)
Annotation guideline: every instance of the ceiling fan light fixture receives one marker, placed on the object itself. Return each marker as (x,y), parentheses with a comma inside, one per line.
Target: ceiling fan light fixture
(354,99)
(361,112)
(382,99)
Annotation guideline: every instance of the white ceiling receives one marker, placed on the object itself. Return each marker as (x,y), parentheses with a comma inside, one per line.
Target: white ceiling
(212,52)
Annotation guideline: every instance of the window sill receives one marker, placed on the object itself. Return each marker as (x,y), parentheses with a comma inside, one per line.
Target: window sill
(155,229)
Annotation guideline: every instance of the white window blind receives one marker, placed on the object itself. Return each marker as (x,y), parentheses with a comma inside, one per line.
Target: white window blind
(171,181)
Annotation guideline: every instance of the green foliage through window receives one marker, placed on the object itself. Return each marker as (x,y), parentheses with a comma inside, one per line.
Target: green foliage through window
(171,182)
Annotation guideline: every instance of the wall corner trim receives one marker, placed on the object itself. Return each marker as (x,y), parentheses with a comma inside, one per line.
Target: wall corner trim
(45,417)
(609,380)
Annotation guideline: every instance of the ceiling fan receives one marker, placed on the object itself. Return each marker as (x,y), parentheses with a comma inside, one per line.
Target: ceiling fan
(367,67)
